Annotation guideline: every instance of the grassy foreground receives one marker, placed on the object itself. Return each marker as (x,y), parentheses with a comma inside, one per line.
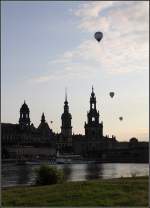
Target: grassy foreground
(112,192)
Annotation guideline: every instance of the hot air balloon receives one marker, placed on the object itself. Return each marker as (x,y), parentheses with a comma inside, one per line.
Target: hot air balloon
(98,36)
(111,94)
(51,121)
(120,118)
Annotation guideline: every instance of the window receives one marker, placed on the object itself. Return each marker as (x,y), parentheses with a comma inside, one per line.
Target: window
(93,118)
(92,105)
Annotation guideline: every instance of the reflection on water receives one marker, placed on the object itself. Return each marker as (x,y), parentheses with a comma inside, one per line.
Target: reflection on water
(13,175)
(23,174)
(67,169)
(94,171)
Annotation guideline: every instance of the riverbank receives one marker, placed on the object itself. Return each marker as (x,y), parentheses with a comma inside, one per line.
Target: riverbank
(109,192)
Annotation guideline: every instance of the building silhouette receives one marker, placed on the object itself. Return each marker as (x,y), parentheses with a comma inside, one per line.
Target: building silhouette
(24,120)
(64,139)
(24,141)
(93,128)
(66,128)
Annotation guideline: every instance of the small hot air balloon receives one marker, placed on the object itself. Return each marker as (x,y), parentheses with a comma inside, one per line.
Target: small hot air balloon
(120,118)
(98,36)
(111,94)
(51,121)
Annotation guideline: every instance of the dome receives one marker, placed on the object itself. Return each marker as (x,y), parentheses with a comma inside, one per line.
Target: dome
(133,139)
(24,107)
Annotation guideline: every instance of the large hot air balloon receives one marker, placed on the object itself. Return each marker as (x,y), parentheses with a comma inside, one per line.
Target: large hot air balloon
(98,36)
(111,94)
(120,118)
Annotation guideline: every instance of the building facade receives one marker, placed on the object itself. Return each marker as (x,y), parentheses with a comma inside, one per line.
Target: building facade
(24,141)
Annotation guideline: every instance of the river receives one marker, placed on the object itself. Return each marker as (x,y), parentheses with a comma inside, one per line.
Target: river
(13,175)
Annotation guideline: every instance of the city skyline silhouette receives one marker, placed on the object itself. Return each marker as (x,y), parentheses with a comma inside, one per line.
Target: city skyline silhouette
(54,46)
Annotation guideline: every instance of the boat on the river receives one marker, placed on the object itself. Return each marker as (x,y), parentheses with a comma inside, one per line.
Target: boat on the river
(62,160)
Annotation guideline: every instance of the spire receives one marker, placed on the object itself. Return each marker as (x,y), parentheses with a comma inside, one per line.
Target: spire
(24,102)
(66,94)
(43,118)
(92,94)
(66,102)
(92,100)
(92,89)
(66,107)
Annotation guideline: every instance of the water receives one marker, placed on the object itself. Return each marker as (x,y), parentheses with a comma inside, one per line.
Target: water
(13,175)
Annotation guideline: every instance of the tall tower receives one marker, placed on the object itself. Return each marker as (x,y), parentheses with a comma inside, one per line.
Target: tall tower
(93,128)
(66,128)
(24,120)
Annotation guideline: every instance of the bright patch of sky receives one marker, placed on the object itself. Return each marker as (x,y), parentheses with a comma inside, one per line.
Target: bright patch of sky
(50,45)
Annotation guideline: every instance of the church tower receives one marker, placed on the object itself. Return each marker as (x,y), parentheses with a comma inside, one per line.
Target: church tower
(24,120)
(66,128)
(93,128)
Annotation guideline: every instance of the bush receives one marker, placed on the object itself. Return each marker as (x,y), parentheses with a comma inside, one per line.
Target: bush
(46,175)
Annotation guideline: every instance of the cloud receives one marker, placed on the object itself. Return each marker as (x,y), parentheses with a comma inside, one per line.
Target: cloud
(92,10)
(123,49)
(116,15)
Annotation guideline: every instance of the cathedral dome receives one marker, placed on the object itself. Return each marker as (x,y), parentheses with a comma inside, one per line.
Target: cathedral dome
(24,107)
(133,140)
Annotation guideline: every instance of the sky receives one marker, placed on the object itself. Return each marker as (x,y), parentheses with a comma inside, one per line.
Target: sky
(48,46)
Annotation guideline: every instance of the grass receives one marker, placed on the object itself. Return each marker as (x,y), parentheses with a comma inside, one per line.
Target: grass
(110,192)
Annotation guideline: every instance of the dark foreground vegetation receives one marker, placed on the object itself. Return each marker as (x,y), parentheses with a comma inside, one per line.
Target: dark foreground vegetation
(111,192)
(47,175)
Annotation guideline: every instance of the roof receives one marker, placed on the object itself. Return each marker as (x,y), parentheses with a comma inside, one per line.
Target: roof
(24,107)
